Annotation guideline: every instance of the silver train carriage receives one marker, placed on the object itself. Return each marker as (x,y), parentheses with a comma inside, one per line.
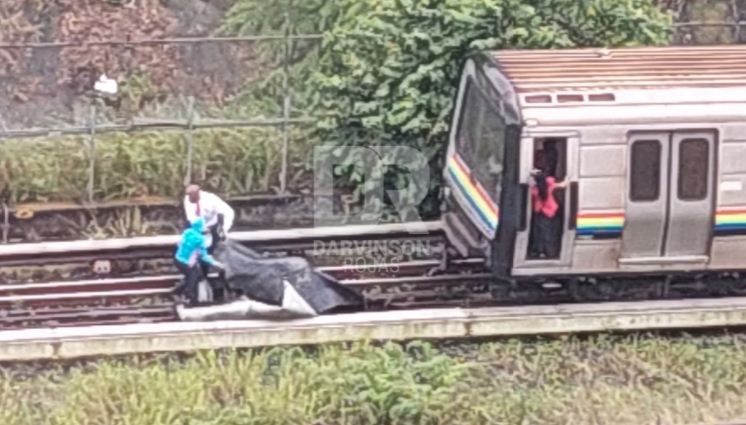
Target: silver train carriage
(650,141)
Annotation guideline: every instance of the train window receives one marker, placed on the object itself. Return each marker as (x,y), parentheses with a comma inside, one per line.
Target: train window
(466,124)
(645,175)
(481,139)
(693,164)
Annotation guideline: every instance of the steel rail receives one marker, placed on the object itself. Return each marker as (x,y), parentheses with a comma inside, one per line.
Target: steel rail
(166,251)
(359,232)
(424,264)
(96,295)
(451,323)
(321,239)
(429,280)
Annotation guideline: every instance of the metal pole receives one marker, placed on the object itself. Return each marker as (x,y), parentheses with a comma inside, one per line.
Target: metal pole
(190,140)
(286,101)
(735,15)
(92,153)
(6,224)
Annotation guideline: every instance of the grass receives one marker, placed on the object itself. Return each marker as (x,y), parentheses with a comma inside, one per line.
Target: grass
(605,379)
(229,161)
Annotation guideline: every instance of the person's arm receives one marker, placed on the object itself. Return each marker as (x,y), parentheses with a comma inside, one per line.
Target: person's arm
(207,258)
(190,214)
(226,211)
(561,185)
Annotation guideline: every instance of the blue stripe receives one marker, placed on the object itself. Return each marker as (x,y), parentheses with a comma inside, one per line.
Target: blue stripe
(730,226)
(599,231)
(471,201)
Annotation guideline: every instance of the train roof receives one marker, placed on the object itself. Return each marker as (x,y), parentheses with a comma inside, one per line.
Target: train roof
(553,85)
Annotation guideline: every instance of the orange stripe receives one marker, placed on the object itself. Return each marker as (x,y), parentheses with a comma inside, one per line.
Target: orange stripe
(601,215)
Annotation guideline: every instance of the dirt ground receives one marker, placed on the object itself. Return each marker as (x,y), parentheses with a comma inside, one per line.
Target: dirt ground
(51,86)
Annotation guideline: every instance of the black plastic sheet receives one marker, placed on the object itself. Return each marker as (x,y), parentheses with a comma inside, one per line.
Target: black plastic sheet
(261,279)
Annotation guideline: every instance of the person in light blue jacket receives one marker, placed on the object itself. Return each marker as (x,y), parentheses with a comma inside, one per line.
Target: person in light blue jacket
(191,249)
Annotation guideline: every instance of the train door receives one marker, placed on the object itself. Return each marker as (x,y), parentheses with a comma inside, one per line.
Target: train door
(555,156)
(670,198)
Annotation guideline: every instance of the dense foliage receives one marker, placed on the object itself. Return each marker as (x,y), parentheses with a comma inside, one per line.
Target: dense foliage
(621,380)
(308,17)
(387,70)
(389,76)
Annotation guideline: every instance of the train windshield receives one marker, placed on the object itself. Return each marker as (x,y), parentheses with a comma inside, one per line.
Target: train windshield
(481,138)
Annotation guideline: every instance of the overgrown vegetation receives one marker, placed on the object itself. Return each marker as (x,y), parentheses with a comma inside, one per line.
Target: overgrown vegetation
(621,380)
(230,161)
(251,17)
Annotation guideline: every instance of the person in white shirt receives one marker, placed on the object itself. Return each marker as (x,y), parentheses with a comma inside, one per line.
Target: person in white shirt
(216,213)
(218,218)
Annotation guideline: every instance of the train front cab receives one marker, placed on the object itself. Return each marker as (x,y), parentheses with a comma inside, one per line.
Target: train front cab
(480,210)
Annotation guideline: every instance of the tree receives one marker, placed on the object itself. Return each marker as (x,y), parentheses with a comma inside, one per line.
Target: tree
(389,76)
(387,70)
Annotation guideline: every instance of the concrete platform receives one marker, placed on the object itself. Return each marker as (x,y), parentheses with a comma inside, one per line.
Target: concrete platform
(66,343)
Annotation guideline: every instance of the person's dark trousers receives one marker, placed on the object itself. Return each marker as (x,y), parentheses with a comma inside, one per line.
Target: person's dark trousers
(192,276)
(215,232)
(548,235)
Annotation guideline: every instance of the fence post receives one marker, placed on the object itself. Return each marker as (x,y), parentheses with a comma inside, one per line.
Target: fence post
(190,140)
(285,100)
(92,153)
(736,15)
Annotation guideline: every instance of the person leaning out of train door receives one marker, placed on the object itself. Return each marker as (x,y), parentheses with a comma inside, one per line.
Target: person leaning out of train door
(548,226)
(216,213)
(190,251)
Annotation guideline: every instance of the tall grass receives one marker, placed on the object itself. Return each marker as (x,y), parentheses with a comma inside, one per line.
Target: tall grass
(229,161)
(620,380)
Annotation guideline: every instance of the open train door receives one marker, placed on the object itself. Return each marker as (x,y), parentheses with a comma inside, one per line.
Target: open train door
(558,153)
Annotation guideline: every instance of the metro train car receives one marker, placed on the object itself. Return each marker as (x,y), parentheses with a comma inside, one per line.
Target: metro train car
(650,141)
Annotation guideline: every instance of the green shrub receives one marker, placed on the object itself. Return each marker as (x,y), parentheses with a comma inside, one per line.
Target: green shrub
(229,161)
(627,380)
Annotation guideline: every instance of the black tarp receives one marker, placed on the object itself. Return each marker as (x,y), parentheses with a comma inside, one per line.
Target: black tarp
(261,279)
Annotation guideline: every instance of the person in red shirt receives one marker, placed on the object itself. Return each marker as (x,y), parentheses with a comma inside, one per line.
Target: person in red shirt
(547,224)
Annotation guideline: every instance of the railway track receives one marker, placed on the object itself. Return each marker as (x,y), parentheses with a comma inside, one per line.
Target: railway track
(148,299)
(141,297)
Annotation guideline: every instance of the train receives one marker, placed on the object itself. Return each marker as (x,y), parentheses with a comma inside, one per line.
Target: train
(650,143)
